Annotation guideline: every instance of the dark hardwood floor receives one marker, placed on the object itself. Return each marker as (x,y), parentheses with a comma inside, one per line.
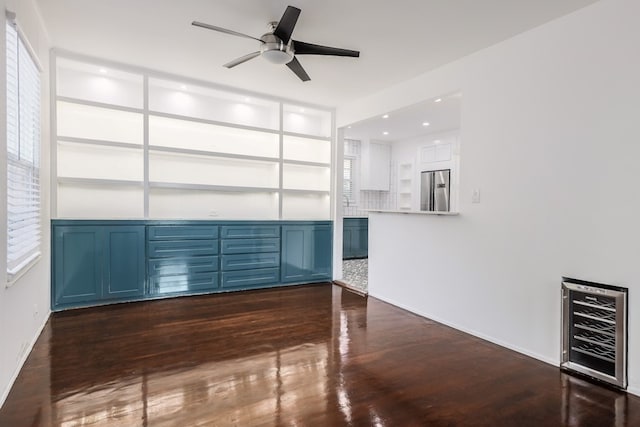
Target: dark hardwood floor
(300,356)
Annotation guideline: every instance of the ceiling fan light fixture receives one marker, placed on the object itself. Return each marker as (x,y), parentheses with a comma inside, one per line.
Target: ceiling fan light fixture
(277,56)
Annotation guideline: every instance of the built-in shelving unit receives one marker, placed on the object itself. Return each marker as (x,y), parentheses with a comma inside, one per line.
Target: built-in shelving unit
(405,186)
(138,144)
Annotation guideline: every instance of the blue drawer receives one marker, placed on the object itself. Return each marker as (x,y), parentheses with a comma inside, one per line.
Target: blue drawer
(181,248)
(182,232)
(250,246)
(250,278)
(249,231)
(250,261)
(188,266)
(183,283)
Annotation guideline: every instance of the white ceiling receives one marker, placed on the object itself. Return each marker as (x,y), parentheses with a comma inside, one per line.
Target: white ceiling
(442,114)
(397,39)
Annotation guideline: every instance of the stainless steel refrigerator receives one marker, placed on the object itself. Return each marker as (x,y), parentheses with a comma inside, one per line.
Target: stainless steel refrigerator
(435,190)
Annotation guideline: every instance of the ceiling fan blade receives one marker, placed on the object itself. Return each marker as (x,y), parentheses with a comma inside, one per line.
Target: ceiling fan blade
(302,48)
(223,30)
(295,66)
(287,24)
(242,59)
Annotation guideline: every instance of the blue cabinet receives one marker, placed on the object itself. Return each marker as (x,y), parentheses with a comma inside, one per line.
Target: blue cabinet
(93,264)
(306,253)
(355,238)
(100,261)
(250,255)
(183,259)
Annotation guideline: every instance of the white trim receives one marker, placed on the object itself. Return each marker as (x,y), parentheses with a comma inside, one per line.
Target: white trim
(53,151)
(13,21)
(18,271)
(145,144)
(280,160)
(551,361)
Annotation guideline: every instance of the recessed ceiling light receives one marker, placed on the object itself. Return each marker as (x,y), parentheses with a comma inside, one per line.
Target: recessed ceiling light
(385,133)
(386,116)
(437,141)
(425,124)
(247,99)
(103,70)
(438,100)
(302,110)
(348,127)
(183,87)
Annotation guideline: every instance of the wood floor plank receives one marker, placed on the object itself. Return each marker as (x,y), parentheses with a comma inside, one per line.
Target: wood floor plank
(306,355)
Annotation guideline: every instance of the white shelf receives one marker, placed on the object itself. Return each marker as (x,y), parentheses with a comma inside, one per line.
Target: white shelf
(220,188)
(97,181)
(179,148)
(216,154)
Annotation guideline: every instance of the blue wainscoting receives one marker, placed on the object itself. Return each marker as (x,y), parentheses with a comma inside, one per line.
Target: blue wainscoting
(98,262)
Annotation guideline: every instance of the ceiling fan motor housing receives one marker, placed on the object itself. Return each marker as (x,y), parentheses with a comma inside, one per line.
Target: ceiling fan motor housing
(275,50)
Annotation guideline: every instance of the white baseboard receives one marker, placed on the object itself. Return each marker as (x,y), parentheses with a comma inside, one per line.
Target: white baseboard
(501,343)
(26,354)
(633,390)
(555,362)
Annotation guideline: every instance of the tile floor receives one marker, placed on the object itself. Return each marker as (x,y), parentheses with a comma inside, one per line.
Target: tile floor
(355,272)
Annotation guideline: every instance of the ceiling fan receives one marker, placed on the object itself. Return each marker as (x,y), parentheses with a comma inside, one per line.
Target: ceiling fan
(277,46)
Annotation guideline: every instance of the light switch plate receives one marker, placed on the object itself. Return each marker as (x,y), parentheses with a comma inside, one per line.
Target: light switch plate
(475,197)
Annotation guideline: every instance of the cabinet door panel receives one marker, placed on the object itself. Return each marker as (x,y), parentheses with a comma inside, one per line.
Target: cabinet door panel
(306,253)
(182,248)
(179,232)
(184,266)
(124,261)
(250,246)
(320,252)
(250,261)
(249,231)
(78,264)
(250,278)
(293,265)
(183,283)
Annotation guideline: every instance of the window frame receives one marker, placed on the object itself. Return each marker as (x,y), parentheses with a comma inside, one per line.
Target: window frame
(352,199)
(18,266)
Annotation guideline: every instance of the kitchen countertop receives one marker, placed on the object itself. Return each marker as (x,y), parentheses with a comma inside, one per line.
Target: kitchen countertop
(415,212)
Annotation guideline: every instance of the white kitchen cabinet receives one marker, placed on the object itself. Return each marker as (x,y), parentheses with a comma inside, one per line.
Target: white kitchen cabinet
(375,165)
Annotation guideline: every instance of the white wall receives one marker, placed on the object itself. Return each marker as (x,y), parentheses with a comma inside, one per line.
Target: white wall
(24,306)
(550,135)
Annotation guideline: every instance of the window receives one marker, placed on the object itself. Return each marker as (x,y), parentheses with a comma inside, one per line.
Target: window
(23,155)
(347,182)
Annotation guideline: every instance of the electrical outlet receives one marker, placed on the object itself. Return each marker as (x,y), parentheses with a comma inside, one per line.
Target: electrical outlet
(475,197)
(213,213)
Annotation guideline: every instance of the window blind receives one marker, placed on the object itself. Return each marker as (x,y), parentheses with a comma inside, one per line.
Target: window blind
(23,154)
(347,181)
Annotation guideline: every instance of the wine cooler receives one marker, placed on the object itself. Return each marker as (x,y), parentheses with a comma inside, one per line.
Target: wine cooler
(594,331)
